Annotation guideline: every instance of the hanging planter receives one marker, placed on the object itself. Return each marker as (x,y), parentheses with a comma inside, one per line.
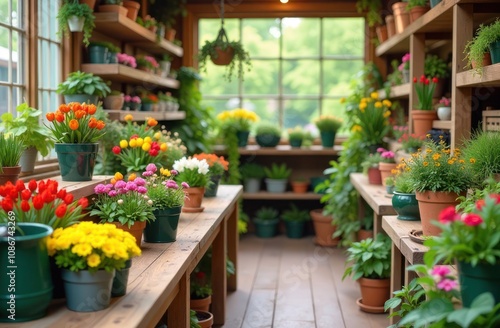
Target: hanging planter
(221,51)
(76,23)
(76,17)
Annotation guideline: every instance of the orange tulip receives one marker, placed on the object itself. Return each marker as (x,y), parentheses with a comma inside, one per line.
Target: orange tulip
(50,117)
(129,117)
(64,108)
(73,124)
(100,125)
(152,122)
(59,117)
(91,109)
(76,107)
(79,114)
(92,123)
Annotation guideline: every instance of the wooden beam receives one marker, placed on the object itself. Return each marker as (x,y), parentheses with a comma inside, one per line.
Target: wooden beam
(417,51)
(31,75)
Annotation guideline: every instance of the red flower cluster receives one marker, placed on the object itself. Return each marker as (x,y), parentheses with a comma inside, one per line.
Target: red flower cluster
(425,80)
(449,214)
(40,202)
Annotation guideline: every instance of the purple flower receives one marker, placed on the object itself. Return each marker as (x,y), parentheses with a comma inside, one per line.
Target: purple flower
(142,190)
(447,284)
(147,173)
(131,186)
(151,168)
(174,172)
(184,185)
(120,184)
(112,193)
(140,181)
(171,184)
(100,189)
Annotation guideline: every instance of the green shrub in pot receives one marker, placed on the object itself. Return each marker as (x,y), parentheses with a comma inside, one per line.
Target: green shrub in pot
(87,85)
(486,36)
(267,134)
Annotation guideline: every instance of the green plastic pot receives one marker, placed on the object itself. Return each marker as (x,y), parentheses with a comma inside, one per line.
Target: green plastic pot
(434,3)
(295,143)
(242,138)
(266,228)
(495,52)
(213,187)
(25,272)
(406,205)
(267,140)
(294,229)
(76,161)
(479,279)
(98,54)
(327,138)
(87,292)
(164,228)
(120,281)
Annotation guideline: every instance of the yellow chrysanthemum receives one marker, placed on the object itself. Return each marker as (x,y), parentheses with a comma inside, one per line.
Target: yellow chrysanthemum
(436,156)
(133,143)
(82,249)
(165,172)
(108,248)
(97,241)
(451,161)
(93,260)
(437,164)
(62,243)
(123,143)
(128,117)
(51,246)
(146,146)
(425,163)
(461,161)
(472,160)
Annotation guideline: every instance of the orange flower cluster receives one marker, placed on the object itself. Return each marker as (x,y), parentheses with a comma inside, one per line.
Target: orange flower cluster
(74,123)
(217,164)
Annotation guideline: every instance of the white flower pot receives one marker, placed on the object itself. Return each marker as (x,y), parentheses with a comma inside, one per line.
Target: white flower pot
(444,113)
(75,23)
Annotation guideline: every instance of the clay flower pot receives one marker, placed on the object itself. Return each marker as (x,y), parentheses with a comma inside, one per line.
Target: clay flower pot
(192,203)
(299,187)
(323,228)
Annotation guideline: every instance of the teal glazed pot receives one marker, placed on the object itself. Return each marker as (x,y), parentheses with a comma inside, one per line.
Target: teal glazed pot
(295,143)
(76,161)
(495,52)
(98,54)
(242,138)
(294,229)
(267,140)
(266,228)
(327,138)
(434,3)
(475,280)
(406,205)
(164,228)
(87,292)
(120,281)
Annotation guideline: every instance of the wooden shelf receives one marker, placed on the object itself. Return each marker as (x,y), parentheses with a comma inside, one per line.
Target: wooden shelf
(397,92)
(124,29)
(126,74)
(119,115)
(446,125)
(287,150)
(490,77)
(264,195)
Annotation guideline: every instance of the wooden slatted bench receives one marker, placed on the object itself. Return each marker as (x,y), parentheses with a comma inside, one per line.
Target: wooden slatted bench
(159,279)
(375,196)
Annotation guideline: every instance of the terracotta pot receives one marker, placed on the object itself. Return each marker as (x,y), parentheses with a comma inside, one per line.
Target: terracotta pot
(170,34)
(90,3)
(10,174)
(417,12)
(386,170)
(205,319)
(381,33)
(224,57)
(113,9)
(135,230)
(153,28)
(113,102)
(323,228)
(300,187)
(486,60)
(363,234)
(401,16)
(374,292)
(391,25)
(202,304)
(133,9)
(430,204)
(422,121)
(194,198)
(374,176)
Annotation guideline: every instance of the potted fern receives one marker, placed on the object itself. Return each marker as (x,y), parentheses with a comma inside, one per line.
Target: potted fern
(277,177)
(295,220)
(76,17)
(266,222)
(487,40)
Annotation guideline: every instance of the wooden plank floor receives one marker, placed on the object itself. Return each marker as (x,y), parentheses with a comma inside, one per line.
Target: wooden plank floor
(289,283)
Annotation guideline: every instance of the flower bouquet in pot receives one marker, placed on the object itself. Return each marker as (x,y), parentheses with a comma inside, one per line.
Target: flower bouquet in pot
(424,114)
(195,173)
(124,204)
(387,164)
(11,150)
(411,143)
(168,198)
(34,210)
(238,121)
(217,166)
(439,176)
(76,131)
(404,200)
(89,254)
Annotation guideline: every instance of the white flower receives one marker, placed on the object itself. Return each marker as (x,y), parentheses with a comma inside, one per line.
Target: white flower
(150,202)
(119,201)
(203,167)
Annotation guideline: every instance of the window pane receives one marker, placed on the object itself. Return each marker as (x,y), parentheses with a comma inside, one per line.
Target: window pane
(43,78)
(15,53)
(266,109)
(261,37)
(338,74)
(17,97)
(263,78)
(301,77)
(5,12)
(343,36)
(54,69)
(214,82)
(218,105)
(209,28)
(300,37)
(300,112)
(17,14)
(4,54)
(334,107)
(43,18)
(4,94)
(53,21)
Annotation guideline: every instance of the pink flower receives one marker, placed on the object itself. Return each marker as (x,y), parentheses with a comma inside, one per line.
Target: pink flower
(406,58)
(447,284)
(141,189)
(445,101)
(380,150)
(131,186)
(127,98)
(448,215)
(120,184)
(472,220)
(147,173)
(151,168)
(140,182)
(112,193)
(387,154)
(184,185)
(440,270)
(101,189)
(171,184)
(174,172)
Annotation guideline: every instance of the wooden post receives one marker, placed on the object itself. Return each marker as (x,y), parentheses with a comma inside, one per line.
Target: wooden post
(178,311)
(232,246)
(219,280)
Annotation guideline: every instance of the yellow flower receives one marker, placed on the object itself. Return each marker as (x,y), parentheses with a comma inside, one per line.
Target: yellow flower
(362,106)
(356,128)
(93,260)
(51,246)
(163,147)
(374,95)
(148,139)
(472,160)
(123,143)
(128,117)
(132,177)
(62,243)
(108,248)
(157,135)
(342,100)
(425,163)
(378,104)
(82,249)
(437,164)
(133,143)
(97,241)
(387,103)
(165,172)
(118,176)
(146,146)
(436,156)
(140,142)
(451,161)
(387,114)
(461,161)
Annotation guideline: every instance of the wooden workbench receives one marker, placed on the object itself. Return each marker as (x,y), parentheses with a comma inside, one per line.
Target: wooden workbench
(159,278)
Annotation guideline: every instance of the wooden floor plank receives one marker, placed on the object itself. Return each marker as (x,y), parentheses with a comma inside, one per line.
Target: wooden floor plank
(260,310)
(267,275)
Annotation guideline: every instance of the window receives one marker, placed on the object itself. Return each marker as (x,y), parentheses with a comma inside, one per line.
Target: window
(301,66)
(12,54)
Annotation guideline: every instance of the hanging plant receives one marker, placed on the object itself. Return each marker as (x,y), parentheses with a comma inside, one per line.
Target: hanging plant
(76,17)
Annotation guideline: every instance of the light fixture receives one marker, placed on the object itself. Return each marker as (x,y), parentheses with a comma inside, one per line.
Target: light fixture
(284,1)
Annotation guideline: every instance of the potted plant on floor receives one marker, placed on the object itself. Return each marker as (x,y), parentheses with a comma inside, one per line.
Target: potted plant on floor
(487,40)
(277,177)
(83,88)
(252,174)
(295,220)
(200,289)
(76,17)
(328,126)
(267,134)
(11,149)
(323,228)
(34,136)
(266,222)
(369,262)
(295,136)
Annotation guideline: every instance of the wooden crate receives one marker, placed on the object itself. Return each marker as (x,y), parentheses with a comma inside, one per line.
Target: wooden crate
(491,120)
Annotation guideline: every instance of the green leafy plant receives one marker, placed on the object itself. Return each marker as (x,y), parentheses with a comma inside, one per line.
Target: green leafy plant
(403,182)
(266,214)
(407,299)
(411,142)
(83,83)
(479,45)
(435,66)
(369,258)
(193,320)
(278,171)
(394,78)
(241,57)
(482,150)
(371,160)
(168,11)
(72,8)
(297,133)
(147,22)
(163,190)
(328,123)
(416,3)
(372,9)
(252,170)
(425,91)
(389,181)
(295,214)
(468,202)
(11,149)
(26,126)
(266,128)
